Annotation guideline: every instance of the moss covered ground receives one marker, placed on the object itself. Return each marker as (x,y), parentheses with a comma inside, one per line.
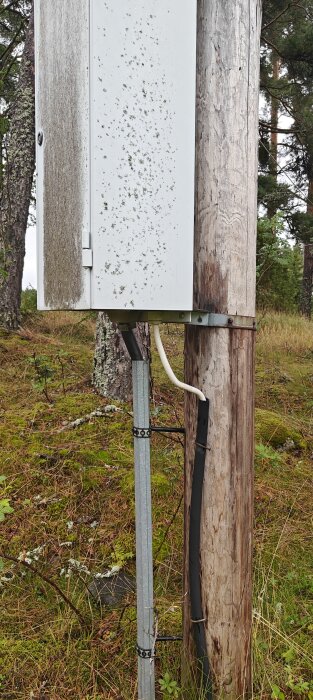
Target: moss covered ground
(71,495)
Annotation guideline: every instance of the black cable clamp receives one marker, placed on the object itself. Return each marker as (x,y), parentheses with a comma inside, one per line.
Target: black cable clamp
(161,429)
(144,653)
(141,432)
(169,638)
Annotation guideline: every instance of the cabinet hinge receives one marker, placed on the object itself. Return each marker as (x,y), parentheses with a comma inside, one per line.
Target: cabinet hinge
(87,257)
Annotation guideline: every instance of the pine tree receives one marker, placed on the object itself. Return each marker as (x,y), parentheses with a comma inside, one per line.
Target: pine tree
(288,38)
(298,50)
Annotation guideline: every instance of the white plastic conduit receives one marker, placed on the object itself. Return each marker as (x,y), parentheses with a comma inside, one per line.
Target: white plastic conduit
(168,369)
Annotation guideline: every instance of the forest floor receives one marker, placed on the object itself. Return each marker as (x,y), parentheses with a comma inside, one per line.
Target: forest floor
(70,492)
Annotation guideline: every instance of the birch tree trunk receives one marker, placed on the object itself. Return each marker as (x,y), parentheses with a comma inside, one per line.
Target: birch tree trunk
(112,373)
(220,361)
(16,186)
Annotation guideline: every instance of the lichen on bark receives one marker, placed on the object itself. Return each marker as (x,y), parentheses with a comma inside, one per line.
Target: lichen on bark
(112,375)
(15,195)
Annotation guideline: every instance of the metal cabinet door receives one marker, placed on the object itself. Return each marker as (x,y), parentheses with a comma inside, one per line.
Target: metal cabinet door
(143,68)
(62,124)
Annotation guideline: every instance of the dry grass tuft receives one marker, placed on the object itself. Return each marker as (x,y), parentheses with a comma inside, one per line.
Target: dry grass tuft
(285,334)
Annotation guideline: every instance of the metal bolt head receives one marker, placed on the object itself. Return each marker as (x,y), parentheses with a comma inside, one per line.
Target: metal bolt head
(40,138)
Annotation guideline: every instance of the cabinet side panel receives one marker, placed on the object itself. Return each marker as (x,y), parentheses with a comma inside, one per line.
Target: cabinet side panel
(143,64)
(62,67)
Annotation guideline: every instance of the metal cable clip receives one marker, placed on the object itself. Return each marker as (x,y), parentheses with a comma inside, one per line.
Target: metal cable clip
(141,432)
(144,653)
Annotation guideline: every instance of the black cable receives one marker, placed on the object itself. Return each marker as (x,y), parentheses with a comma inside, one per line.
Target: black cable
(197,617)
(132,346)
(159,429)
(169,638)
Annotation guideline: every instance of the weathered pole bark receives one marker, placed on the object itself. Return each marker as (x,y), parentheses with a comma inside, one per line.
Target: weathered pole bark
(16,188)
(307,278)
(112,369)
(221,360)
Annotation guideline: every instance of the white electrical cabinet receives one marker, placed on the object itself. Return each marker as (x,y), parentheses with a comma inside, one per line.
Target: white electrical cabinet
(115,96)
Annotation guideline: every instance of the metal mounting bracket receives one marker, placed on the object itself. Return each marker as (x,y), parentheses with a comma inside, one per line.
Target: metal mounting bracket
(206,319)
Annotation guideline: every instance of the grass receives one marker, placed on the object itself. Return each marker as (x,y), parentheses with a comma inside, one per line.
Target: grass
(72,495)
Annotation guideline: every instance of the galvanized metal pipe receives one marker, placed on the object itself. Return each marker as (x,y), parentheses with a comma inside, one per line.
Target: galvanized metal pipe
(144,566)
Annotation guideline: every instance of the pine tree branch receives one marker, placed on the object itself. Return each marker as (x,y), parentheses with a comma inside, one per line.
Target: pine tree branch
(276,129)
(288,110)
(272,46)
(12,7)
(10,46)
(299,59)
(275,19)
(283,12)
(8,70)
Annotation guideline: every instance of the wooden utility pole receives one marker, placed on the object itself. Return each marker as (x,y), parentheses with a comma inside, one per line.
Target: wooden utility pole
(220,361)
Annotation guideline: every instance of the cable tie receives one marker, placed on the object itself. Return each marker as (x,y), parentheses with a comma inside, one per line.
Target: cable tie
(195,622)
(203,447)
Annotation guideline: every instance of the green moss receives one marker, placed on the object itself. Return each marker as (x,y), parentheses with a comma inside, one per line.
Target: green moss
(91,457)
(12,649)
(76,405)
(58,507)
(273,429)
(105,456)
(127,481)
(160,484)
(90,482)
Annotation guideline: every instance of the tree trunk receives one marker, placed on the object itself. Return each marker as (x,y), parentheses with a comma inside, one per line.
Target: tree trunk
(17,181)
(273,160)
(307,279)
(221,360)
(112,373)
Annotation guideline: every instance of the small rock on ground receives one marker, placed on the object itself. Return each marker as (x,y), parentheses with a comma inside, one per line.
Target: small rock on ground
(113,590)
